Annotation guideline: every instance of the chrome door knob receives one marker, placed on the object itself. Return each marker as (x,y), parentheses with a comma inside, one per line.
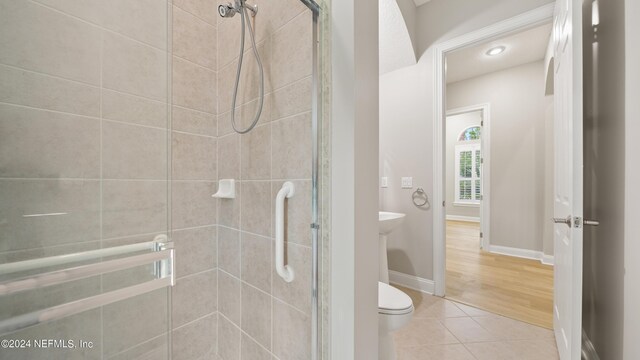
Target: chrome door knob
(577,222)
(566,221)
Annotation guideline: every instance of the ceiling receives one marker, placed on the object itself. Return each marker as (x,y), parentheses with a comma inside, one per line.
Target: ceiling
(395,47)
(521,48)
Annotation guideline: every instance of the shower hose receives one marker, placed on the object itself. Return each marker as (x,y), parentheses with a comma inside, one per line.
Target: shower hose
(244,16)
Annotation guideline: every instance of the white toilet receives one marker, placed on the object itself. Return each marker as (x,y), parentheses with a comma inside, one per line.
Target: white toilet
(395,310)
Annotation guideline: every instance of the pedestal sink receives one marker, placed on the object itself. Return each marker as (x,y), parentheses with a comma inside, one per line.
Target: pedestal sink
(387,222)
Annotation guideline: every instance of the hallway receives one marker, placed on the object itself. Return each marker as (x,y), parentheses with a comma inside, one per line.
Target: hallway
(517,288)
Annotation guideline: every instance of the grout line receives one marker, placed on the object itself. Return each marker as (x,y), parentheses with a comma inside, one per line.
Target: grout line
(126,123)
(195,64)
(169,164)
(289,117)
(193,110)
(96,117)
(100,201)
(240,138)
(196,273)
(304,12)
(469,351)
(139,344)
(82,243)
(96,25)
(134,235)
(196,15)
(194,134)
(87,179)
(262,236)
(246,334)
(291,306)
(57,77)
(196,320)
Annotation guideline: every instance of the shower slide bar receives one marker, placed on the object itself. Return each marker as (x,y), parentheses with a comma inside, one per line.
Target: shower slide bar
(162,257)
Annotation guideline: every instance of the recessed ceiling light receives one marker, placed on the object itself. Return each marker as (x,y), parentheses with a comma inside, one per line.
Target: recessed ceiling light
(495,50)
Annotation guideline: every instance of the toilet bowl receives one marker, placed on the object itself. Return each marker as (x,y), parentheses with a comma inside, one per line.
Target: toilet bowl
(395,310)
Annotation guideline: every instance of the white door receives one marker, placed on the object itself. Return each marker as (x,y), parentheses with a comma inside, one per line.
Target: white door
(568,178)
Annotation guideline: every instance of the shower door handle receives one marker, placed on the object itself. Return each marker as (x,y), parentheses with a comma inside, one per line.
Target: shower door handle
(285,271)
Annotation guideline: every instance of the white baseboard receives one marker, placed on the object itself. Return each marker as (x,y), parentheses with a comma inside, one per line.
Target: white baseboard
(547,259)
(412,282)
(522,253)
(463,218)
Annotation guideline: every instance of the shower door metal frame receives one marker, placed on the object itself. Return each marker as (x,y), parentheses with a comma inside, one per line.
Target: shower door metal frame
(316,140)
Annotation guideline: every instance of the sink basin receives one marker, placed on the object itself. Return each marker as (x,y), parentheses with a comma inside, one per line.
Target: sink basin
(389,221)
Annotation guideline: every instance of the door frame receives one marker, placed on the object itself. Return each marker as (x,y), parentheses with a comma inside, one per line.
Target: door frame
(518,23)
(485,174)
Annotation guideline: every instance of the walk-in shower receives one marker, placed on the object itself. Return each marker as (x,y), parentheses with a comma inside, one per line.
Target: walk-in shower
(229,10)
(118,121)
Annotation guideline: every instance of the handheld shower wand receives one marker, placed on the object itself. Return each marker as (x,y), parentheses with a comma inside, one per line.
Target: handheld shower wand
(228,10)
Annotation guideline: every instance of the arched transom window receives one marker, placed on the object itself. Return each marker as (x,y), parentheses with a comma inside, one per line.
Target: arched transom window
(470,133)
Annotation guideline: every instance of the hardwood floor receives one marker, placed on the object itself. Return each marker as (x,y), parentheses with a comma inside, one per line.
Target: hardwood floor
(518,288)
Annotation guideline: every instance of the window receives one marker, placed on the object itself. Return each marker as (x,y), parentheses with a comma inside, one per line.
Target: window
(468,185)
(470,133)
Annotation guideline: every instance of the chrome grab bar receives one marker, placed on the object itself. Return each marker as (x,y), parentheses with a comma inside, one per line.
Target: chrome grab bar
(162,256)
(285,271)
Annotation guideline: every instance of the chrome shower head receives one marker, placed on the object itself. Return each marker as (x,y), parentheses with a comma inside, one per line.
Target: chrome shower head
(227,10)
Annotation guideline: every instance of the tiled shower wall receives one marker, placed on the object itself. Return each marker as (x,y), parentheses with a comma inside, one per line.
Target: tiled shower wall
(194,175)
(261,316)
(84,133)
(84,127)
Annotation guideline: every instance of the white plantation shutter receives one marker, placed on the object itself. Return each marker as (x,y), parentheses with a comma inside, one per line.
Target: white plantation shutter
(467,185)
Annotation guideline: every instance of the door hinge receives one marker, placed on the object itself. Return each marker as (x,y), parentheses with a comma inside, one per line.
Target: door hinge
(482,123)
(443,204)
(481,235)
(481,160)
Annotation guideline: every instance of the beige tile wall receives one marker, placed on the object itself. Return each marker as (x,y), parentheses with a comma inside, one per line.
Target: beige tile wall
(84,132)
(194,173)
(84,129)
(261,316)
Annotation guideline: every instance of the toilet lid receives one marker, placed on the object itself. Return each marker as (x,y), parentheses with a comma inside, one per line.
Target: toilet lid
(392,300)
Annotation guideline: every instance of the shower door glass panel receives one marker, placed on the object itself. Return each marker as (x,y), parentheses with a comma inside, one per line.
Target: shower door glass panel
(84,173)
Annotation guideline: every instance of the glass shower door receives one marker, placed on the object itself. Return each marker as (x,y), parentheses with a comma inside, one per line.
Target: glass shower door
(85,261)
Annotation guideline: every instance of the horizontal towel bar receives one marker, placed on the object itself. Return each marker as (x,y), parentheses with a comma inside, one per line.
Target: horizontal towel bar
(161,255)
(80,272)
(26,265)
(58,312)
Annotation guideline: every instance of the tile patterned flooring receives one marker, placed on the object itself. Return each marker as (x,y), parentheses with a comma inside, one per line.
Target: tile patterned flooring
(444,330)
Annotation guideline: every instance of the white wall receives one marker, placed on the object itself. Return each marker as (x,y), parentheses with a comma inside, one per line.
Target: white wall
(406,123)
(439,20)
(354,161)
(455,125)
(518,139)
(395,45)
(409,13)
(632,207)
